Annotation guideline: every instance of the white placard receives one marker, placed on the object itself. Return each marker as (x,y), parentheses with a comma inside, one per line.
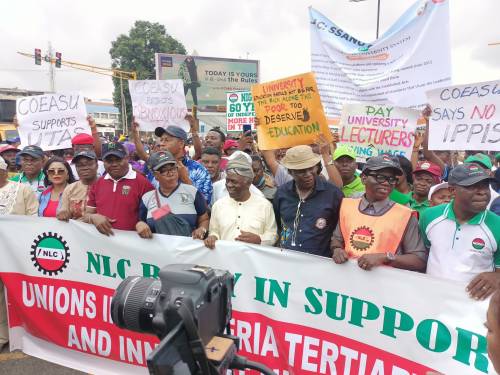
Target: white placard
(158,103)
(465,117)
(411,57)
(372,129)
(51,120)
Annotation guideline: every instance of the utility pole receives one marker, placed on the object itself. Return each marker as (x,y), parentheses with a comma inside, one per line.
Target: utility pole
(52,73)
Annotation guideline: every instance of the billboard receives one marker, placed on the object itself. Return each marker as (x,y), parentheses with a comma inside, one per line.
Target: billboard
(206,80)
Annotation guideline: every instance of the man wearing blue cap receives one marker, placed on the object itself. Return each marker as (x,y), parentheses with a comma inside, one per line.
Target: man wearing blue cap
(113,201)
(173,139)
(32,161)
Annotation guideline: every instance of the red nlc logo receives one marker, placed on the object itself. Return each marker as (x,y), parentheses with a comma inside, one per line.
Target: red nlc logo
(49,253)
(478,243)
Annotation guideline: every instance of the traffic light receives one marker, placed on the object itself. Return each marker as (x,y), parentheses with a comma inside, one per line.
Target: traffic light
(38,56)
(58,59)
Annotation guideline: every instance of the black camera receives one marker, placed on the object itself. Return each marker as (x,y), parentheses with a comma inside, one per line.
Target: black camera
(188,308)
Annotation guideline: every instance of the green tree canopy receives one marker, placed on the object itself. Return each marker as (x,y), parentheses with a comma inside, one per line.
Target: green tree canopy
(136,52)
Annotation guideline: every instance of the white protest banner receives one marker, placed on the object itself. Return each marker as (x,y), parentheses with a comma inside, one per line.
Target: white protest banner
(372,129)
(465,118)
(326,318)
(410,58)
(240,111)
(158,103)
(51,120)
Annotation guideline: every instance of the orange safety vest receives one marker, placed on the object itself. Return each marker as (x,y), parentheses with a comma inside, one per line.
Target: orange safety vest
(366,234)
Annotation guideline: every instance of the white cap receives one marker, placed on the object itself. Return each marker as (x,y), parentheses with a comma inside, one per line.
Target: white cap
(3,164)
(235,154)
(442,185)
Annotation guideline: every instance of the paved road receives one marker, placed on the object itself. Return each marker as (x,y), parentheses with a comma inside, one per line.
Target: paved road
(18,363)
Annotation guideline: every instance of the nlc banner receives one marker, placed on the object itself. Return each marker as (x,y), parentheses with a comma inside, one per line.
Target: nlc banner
(297,313)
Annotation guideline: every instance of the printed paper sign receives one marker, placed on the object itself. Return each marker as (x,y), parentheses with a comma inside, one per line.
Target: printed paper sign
(411,57)
(327,319)
(240,111)
(372,130)
(289,112)
(465,117)
(158,103)
(51,120)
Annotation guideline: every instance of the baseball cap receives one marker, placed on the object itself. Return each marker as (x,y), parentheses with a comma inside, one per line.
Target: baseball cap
(300,157)
(230,143)
(82,139)
(467,174)
(3,164)
(4,148)
(377,163)
(174,131)
(344,150)
(33,151)
(482,159)
(159,159)
(497,156)
(434,188)
(113,148)
(84,154)
(429,167)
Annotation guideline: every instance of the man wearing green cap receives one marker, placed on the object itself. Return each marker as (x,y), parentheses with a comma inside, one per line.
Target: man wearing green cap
(344,159)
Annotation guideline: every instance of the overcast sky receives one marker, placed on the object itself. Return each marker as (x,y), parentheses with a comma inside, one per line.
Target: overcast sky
(276,32)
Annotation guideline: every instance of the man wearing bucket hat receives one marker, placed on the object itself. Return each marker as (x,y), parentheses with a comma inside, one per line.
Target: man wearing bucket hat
(463,236)
(9,154)
(243,216)
(376,230)
(306,207)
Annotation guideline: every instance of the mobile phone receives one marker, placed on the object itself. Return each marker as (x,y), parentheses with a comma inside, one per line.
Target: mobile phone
(247,128)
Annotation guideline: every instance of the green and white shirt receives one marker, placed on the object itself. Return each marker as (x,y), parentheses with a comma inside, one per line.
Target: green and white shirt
(460,251)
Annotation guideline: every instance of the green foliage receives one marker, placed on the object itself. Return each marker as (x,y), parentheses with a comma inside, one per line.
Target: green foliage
(135,52)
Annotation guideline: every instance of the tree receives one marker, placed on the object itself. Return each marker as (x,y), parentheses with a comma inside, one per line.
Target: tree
(136,52)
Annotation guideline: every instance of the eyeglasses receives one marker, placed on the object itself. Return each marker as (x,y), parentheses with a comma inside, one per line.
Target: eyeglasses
(381,178)
(53,172)
(167,171)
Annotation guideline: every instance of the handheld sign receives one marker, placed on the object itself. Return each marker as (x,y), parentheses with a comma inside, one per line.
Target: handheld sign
(240,111)
(465,117)
(290,112)
(51,120)
(158,103)
(372,129)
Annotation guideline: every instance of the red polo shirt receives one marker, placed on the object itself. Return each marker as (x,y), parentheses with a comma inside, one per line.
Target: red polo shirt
(119,199)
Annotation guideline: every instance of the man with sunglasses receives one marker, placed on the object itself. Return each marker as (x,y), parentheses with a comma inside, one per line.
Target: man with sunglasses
(307,207)
(463,237)
(376,230)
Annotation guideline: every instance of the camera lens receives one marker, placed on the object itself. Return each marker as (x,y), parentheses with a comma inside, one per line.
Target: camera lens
(134,303)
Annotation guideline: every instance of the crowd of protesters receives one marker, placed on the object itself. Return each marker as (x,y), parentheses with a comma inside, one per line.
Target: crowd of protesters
(436,213)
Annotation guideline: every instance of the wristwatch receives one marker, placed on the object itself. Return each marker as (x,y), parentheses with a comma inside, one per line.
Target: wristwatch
(390,257)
